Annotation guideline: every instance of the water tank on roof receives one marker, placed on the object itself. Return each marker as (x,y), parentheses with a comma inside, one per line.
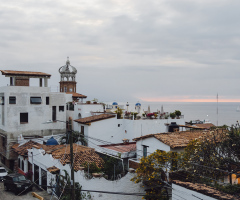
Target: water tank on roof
(52,141)
(173,127)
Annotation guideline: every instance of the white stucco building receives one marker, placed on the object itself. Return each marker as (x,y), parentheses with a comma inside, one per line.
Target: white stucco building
(24,109)
(102,127)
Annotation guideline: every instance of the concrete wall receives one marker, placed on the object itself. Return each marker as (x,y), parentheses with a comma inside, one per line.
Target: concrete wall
(179,192)
(37,113)
(10,126)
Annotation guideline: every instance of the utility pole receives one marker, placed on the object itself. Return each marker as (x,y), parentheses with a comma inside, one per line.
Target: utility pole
(72,163)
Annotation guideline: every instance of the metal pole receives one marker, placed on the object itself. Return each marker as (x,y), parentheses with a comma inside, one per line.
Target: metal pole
(72,163)
(114,173)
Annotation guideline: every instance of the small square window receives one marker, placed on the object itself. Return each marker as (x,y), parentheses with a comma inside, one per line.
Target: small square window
(12,100)
(61,108)
(23,118)
(35,100)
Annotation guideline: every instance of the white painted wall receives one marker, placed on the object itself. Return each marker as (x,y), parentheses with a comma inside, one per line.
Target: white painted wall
(108,129)
(101,184)
(179,192)
(37,113)
(85,110)
(153,144)
(25,163)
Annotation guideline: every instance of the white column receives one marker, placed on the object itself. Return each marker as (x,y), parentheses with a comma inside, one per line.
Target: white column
(45,82)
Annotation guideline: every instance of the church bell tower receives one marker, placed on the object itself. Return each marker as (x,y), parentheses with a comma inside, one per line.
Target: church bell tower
(67,78)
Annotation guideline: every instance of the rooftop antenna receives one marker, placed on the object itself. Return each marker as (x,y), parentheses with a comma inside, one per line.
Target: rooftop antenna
(217,109)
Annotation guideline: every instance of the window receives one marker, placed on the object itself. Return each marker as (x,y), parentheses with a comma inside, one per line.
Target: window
(35,100)
(71,106)
(1,100)
(65,88)
(47,100)
(61,108)
(3,141)
(12,100)
(145,151)
(19,163)
(118,125)
(11,81)
(23,118)
(82,130)
(54,113)
(22,165)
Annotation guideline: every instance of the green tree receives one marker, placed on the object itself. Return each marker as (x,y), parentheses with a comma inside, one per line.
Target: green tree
(63,188)
(206,159)
(153,172)
(172,115)
(111,163)
(178,113)
(119,112)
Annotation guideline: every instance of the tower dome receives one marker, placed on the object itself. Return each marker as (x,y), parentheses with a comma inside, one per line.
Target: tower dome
(51,141)
(114,103)
(137,104)
(67,69)
(138,107)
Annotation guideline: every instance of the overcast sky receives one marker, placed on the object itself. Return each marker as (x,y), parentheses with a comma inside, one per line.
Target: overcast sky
(128,50)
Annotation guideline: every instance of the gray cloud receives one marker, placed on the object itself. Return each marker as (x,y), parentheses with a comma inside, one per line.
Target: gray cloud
(127,50)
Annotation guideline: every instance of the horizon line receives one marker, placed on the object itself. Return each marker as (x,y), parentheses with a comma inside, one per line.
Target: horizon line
(190,100)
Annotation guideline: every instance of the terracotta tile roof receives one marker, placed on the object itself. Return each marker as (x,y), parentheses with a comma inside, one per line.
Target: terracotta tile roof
(204,126)
(65,149)
(94,118)
(77,95)
(83,157)
(131,146)
(204,189)
(175,139)
(15,145)
(23,73)
(23,149)
(53,169)
(81,153)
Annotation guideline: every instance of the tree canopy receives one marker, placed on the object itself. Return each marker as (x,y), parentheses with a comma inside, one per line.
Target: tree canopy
(209,158)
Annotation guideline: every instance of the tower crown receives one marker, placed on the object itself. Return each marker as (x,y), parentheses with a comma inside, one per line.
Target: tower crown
(65,70)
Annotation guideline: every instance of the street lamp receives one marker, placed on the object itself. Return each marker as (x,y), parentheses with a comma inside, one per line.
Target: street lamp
(70,132)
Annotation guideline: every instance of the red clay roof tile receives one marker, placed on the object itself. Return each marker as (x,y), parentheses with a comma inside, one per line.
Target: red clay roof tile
(175,139)
(94,118)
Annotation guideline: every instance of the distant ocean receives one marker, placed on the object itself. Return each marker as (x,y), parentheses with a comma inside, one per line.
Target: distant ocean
(227,113)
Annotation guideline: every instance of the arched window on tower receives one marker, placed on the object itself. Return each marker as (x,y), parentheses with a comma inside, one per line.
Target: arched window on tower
(65,88)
